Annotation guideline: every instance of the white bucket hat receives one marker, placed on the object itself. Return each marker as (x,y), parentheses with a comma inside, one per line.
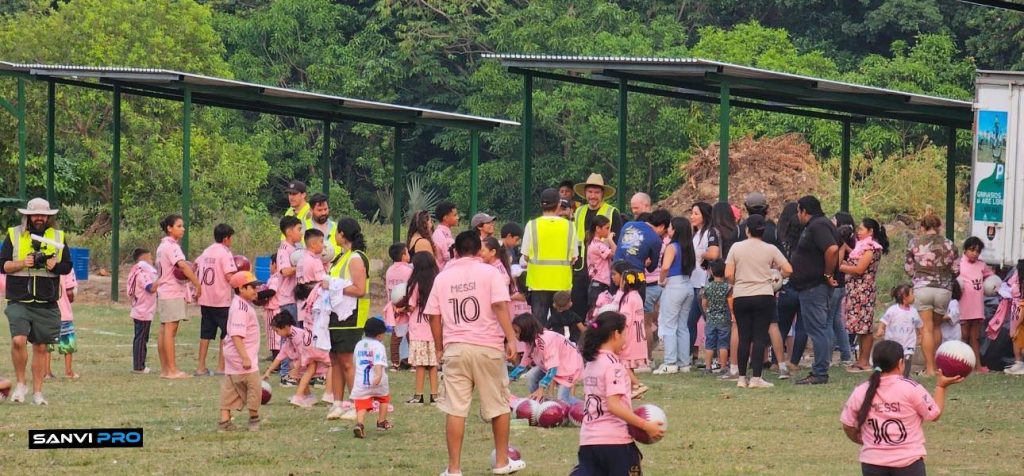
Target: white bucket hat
(37,206)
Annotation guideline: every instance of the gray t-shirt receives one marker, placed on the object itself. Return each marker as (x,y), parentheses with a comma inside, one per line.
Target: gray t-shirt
(754,261)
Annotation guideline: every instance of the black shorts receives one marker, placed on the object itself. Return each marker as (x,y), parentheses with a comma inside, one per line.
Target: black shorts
(608,460)
(914,469)
(213,318)
(343,341)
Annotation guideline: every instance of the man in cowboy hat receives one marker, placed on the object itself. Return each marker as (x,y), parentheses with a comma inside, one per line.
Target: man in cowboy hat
(33,257)
(596,194)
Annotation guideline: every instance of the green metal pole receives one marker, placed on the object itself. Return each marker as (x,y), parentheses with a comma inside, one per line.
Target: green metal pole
(186,159)
(623,129)
(398,186)
(51,122)
(325,160)
(950,182)
(474,171)
(527,146)
(115,213)
(723,142)
(22,153)
(844,170)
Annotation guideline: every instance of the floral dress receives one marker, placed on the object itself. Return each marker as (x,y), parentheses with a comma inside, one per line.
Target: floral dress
(859,300)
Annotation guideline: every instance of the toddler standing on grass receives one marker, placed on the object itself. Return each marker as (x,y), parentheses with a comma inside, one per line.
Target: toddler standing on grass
(371,382)
(141,290)
(973,272)
(67,344)
(241,385)
(902,324)
(716,299)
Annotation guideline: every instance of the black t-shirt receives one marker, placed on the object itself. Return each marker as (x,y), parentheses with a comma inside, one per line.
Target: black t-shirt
(809,255)
(558,321)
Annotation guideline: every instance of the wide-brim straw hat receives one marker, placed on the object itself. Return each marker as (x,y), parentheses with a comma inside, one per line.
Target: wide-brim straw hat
(595,180)
(37,206)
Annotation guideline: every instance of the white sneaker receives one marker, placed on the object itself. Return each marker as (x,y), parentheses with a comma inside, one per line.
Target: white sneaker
(512,466)
(758,382)
(446,473)
(666,369)
(38,399)
(336,412)
(328,398)
(642,370)
(1016,369)
(741,382)
(18,396)
(349,414)
(301,401)
(684,369)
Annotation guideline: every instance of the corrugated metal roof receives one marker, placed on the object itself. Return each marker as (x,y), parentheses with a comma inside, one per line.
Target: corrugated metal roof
(755,83)
(239,94)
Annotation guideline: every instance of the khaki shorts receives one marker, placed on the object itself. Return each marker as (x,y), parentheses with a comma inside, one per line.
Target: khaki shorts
(469,366)
(172,310)
(932,299)
(241,391)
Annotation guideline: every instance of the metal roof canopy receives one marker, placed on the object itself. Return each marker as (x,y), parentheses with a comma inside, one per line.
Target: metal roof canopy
(709,81)
(226,93)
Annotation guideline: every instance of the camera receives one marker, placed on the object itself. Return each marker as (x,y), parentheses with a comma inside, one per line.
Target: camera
(39,259)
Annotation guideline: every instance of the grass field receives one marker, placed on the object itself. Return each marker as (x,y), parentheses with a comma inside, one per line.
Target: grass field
(715,428)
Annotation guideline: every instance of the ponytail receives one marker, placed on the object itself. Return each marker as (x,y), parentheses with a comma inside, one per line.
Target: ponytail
(599,331)
(886,355)
(353,233)
(877,232)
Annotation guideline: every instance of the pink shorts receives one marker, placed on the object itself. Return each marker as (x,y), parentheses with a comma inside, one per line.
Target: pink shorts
(315,356)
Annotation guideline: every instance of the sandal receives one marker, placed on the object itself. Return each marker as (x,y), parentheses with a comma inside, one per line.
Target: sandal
(416,399)
(856,369)
(384,425)
(359,431)
(639,390)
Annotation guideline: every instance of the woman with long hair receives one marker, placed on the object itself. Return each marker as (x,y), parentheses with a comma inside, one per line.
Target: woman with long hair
(723,221)
(346,331)
(421,341)
(677,264)
(932,261)
(419,238)
(788,305)
(861,270)
(845,226)
(706,249)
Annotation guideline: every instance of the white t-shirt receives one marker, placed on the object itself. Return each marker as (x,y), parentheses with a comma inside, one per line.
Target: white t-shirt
(369,353)
(699,277)
(901,325)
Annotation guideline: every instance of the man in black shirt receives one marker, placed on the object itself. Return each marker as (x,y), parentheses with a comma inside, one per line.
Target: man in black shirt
(814,262)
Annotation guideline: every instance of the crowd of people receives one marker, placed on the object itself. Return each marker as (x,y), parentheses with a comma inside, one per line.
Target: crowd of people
(577,295)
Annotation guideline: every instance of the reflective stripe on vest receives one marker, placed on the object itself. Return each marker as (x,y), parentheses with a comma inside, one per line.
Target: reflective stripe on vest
(340,269)
(550,258)
(21,244)
(580,218)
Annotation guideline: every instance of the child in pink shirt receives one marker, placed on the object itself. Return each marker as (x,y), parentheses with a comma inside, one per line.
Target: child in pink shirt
(630,304)
(272,307)
(492,253)
(397,320)
(298,346)
(972,276)
(605,444)
(215,266)
(141,291)
(555,356)
(885,414)
(422,355)
(241,386)
(68,343)
(309,274)
(291,227)
(600,250)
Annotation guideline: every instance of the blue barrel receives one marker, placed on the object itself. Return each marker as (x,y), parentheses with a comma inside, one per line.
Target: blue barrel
(80,263)
(263,268)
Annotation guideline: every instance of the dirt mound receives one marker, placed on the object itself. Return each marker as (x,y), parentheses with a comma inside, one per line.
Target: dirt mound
(783,168)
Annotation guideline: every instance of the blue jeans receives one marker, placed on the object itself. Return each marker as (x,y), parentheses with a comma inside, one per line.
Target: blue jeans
(676,301)
(842,339)
(286,364)
(696,310)
(533,378)
(814,313)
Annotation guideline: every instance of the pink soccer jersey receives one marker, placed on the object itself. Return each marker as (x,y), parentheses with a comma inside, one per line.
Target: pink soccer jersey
(67,282)
(462,295)
(443,241)
(515,308)
(242,322)
(168,254)
(310,269)
(972,279)
(632,307)
(419,325)
(286,289)
(553,350)
(892,435)
(599,262)
(397,273)
(603,379)
(299,345)
(143,302)
(215,265)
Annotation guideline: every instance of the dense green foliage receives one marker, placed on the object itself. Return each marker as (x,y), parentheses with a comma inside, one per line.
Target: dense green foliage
(428,54)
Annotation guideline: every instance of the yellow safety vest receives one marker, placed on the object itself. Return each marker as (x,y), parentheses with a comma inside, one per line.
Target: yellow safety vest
(340,269)
(580,217)
(550,254)
(305,216)
(21,243)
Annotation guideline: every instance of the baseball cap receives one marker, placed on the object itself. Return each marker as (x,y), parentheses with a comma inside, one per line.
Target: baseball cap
(242,278)
(549,196)
(374,327)
(295,186)
(480,219)
(755,200)
(756,224)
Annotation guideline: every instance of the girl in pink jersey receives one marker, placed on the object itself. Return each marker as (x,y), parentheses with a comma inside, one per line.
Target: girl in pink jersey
(421,341)
(555,356)
(631,304)
(495,255)
(884,415)
(973,272)
(141,290)
(600,249)
(605,445)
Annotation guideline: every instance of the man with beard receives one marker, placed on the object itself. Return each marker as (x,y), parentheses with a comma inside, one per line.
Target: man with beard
(320,219)
(33,268)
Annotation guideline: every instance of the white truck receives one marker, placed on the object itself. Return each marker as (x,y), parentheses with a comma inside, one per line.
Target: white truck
(997,174)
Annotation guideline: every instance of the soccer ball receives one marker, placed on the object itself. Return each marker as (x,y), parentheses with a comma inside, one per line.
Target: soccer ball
(513,453)
(992,285)
(242,263)
(266,392)
(650,413)
(575,415)
(550,415)
(295,257)
(955,358)
(180,275)
(4,394)
(398,292)
(776,279)
(328,254)
(526,409)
